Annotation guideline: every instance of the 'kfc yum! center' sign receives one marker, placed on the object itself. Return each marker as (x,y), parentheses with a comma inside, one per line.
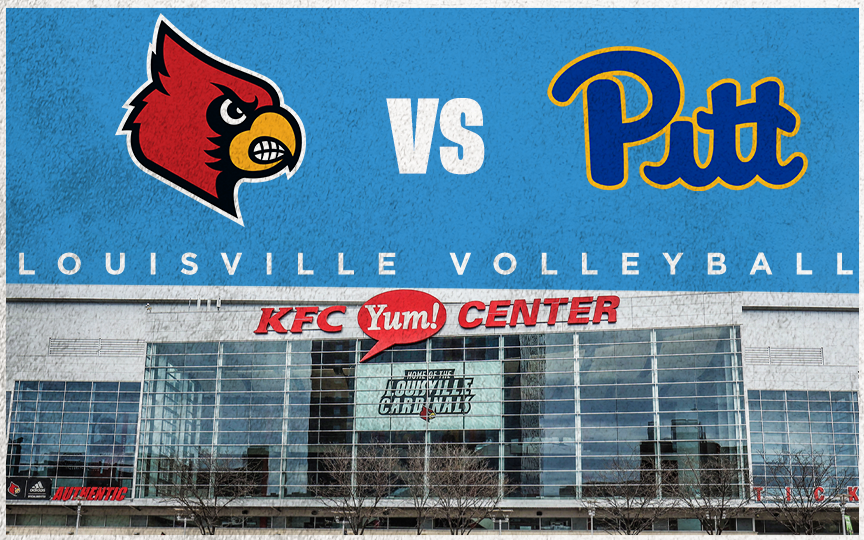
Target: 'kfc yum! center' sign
(407,316)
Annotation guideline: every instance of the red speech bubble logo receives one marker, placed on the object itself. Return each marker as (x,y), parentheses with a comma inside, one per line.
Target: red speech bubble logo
(400,317)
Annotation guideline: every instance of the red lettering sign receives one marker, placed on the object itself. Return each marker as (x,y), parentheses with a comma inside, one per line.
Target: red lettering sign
(269,320)
(90,493)
(497,309)
(302,315)
(520,308)
(324,324)
(576,309)
(416,305)
(819,494)
(501,313)
(463,315)
(553,304)
(400,317)
(606,305)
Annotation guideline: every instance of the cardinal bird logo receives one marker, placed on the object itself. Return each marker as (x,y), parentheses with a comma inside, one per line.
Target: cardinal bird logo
(204,125)
(14,489)
(427,414)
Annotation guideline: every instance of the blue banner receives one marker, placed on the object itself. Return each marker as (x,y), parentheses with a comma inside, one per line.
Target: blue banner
(562,149)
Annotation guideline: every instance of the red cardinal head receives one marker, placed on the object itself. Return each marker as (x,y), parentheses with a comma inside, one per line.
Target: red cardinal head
(204,126)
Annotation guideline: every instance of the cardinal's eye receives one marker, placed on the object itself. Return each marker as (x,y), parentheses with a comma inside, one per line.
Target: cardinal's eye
(231,114)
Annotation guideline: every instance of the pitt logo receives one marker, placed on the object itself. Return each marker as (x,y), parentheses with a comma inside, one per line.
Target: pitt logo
(609,132)
(204,126)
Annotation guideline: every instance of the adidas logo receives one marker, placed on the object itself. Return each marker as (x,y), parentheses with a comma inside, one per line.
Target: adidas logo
(37,488)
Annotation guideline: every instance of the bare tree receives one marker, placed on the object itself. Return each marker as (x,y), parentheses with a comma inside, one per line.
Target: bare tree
(416,480)
(465,489)
(628,499)
(354,486)
(714,489)
(206,484)
(800,485)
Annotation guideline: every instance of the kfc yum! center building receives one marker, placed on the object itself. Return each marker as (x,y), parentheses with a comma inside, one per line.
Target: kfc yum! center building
(554,388)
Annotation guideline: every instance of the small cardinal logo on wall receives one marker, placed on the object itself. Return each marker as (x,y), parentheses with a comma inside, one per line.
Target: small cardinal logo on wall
(427,414)
(204,126)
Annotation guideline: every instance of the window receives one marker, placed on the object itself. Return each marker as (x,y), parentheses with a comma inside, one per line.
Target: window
(72,432)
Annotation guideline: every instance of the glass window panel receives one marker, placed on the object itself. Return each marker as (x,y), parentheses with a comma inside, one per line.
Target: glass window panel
(820,428)
(774,426)
(843,417)
(620,363)
(847,461)
(799,438)
(774,416)
(799,426)
(117,521)
(251,347)
(25,397)
(776,438)
(49,416)
(843,449)
(22,416)
(127,407)
(108,407)
(28,520)
(47,428)
(160,521)
(675,390)
(820,406)
(679,404)
(797,416)
(53,520)
(484,348)
(772,405)
(797,405)
(823,438)
(51,396)
(845,428)
(77,396)
(617,336)
(92,521)
(105,387)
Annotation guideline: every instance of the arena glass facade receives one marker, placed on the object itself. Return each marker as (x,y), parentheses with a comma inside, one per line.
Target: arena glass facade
(559,412)
(665,395)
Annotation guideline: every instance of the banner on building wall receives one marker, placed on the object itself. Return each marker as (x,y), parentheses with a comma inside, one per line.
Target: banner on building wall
(21,488)
(416,396)
(503,149)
